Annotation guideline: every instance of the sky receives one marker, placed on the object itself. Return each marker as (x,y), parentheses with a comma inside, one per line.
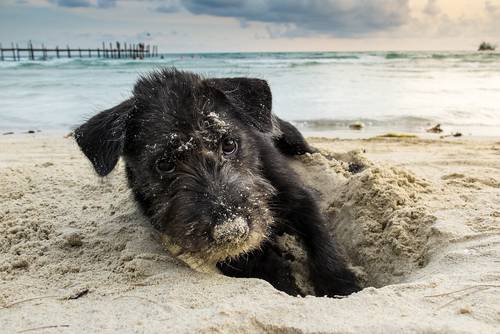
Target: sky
(254,25)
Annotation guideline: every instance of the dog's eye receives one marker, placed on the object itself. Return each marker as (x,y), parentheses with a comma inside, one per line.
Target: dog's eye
(165,166)
(229,146)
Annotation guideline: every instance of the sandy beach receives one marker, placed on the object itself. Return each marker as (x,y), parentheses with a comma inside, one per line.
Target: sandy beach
(419,220)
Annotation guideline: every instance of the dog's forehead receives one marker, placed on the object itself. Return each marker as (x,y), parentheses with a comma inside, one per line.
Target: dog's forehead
(179,115)
(183,130)
(206,128)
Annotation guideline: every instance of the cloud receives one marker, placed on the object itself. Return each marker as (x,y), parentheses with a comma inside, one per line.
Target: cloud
(72,3)
(491,9)
(144,36)
(84,3)
(493,17)
(329,17)
(106,3)
(432,8)
(169,7)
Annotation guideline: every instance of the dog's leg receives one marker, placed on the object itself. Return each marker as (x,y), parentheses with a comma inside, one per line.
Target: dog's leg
(289,140)
(266,263)
(329,271)
(299,214)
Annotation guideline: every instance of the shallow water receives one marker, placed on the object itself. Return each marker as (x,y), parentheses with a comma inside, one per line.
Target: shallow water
(323,92)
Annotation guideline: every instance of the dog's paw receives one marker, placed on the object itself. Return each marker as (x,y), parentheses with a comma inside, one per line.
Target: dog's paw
(333,283)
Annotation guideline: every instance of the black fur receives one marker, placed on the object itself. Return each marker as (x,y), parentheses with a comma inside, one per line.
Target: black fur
(179,119)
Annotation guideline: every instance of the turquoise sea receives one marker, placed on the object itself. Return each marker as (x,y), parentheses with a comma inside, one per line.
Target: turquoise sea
(322,92)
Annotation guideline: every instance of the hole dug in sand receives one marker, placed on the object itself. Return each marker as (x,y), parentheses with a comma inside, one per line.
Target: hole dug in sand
(373,210)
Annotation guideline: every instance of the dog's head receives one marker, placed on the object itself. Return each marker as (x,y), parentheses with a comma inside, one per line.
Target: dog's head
(192,153)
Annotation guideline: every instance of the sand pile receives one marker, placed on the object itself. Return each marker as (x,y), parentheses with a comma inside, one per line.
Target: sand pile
(77,257)
(374,210)
(72,229)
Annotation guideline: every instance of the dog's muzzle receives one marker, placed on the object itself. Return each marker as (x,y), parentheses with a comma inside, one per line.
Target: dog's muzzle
(231,231)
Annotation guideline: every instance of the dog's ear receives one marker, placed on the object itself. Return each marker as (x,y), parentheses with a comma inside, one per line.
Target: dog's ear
(101,138)
(252,100)
(289,140)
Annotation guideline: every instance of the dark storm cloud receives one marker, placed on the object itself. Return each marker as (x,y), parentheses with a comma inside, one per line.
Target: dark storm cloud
(335,17)
(290,18)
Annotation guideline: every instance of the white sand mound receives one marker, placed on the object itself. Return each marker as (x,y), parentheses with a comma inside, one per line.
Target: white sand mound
(375,213)
(77,257)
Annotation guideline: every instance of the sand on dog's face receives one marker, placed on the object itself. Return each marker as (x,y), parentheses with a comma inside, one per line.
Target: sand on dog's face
(185,182)
(63,231)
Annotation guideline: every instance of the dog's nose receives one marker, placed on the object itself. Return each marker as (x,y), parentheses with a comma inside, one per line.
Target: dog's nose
(230,230)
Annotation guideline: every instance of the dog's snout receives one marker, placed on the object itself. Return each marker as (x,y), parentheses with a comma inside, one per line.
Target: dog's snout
(230,230)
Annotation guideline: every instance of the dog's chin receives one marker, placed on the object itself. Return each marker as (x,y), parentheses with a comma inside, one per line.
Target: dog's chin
(230,240)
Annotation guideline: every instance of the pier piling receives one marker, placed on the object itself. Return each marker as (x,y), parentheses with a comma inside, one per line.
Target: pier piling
(116,51)
(13,52)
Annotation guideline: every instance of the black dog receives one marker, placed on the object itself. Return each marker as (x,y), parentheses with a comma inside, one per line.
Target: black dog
(206,161)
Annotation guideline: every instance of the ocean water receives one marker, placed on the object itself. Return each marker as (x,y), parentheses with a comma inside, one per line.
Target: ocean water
(322,92)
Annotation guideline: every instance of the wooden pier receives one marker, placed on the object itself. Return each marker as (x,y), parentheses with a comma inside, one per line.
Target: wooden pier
(114,51)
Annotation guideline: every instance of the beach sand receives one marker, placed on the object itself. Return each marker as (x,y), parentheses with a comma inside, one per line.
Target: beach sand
(418,219)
